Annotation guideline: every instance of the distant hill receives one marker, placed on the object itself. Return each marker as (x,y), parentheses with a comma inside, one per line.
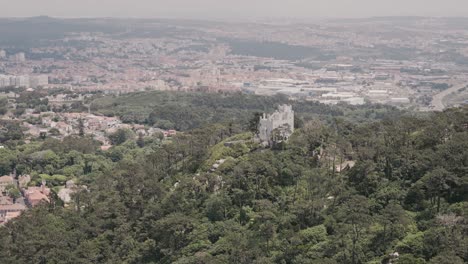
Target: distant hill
(21,32)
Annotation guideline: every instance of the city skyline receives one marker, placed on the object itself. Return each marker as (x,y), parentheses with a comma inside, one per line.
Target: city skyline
(242,9)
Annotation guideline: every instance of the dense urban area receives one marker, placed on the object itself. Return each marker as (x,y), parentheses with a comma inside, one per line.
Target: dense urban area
(179,141)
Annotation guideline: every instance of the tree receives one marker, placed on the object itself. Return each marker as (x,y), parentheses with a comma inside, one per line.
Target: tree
(81,128)
(54,132)
(141,140)
(409,259)
(353,217)
(172,233)
(13,192)
(3,106)
(10,130)
(446,258)
(217,207)
(121,136)
(394,220)
(364,177)
(8,159)
(159,135)
(254,122)
(439,183)
(298,122)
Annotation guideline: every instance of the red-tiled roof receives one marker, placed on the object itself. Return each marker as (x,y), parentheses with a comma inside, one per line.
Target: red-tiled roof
(12,207)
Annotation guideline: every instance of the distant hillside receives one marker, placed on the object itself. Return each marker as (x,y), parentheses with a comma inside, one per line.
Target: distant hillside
(277,50)
(27,31)
(184,111)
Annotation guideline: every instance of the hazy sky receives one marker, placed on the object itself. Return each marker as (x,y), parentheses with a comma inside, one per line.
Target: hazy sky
(232,9)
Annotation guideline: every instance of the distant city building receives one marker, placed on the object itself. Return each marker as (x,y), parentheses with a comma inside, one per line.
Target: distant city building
(280,123)
(38,81)
(354,101)
(400,100)
(18,57)
(2,54)
(4,81)
(24,81)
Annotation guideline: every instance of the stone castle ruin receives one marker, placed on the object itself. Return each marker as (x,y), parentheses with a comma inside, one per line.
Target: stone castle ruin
(278,126)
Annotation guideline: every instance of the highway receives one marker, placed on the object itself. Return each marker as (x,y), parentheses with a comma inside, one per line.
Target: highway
(437,101)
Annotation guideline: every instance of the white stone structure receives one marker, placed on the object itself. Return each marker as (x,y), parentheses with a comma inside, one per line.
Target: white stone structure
(65,193)
(282,119)
(38,81)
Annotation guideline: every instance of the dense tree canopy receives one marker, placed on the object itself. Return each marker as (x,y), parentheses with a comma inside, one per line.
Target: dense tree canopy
(186,111)
(336,192)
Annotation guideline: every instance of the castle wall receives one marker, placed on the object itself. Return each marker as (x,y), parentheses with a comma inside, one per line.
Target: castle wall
(281,117)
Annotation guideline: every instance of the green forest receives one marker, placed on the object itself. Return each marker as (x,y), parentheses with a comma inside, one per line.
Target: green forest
(351,185)
(185,111)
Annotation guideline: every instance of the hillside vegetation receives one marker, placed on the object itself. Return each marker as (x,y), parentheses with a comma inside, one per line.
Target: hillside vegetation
(184,111)
(336,192)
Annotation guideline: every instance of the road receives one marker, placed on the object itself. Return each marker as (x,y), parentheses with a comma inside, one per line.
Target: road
(437,101)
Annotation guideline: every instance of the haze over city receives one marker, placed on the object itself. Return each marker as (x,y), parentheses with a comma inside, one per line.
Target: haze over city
(232,10)
(234,131)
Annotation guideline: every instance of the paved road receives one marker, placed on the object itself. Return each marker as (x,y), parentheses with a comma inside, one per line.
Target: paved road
(437,101)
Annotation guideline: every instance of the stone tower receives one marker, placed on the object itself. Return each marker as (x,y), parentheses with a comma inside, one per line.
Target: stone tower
(282,119)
